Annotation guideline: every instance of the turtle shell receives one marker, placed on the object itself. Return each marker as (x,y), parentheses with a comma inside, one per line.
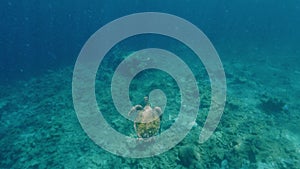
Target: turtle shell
(147,129)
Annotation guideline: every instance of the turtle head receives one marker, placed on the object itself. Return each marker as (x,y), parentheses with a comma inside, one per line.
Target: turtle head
(146,101)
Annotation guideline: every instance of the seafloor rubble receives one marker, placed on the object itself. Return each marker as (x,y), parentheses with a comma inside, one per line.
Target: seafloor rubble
(259,127)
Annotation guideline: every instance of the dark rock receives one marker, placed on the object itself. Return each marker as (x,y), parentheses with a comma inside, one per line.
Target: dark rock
(271,105)
(187,156)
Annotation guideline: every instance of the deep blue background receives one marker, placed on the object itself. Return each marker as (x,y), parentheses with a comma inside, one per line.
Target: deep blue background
(40,35)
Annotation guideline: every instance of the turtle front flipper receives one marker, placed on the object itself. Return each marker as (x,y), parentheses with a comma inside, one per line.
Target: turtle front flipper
(134,109)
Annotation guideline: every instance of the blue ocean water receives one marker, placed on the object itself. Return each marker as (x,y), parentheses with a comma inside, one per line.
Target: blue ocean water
(257,42)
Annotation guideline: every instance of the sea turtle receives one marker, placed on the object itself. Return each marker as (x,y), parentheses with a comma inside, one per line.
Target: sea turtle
(147,121)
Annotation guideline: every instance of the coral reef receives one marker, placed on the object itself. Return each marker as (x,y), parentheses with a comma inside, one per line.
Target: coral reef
(39,128)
